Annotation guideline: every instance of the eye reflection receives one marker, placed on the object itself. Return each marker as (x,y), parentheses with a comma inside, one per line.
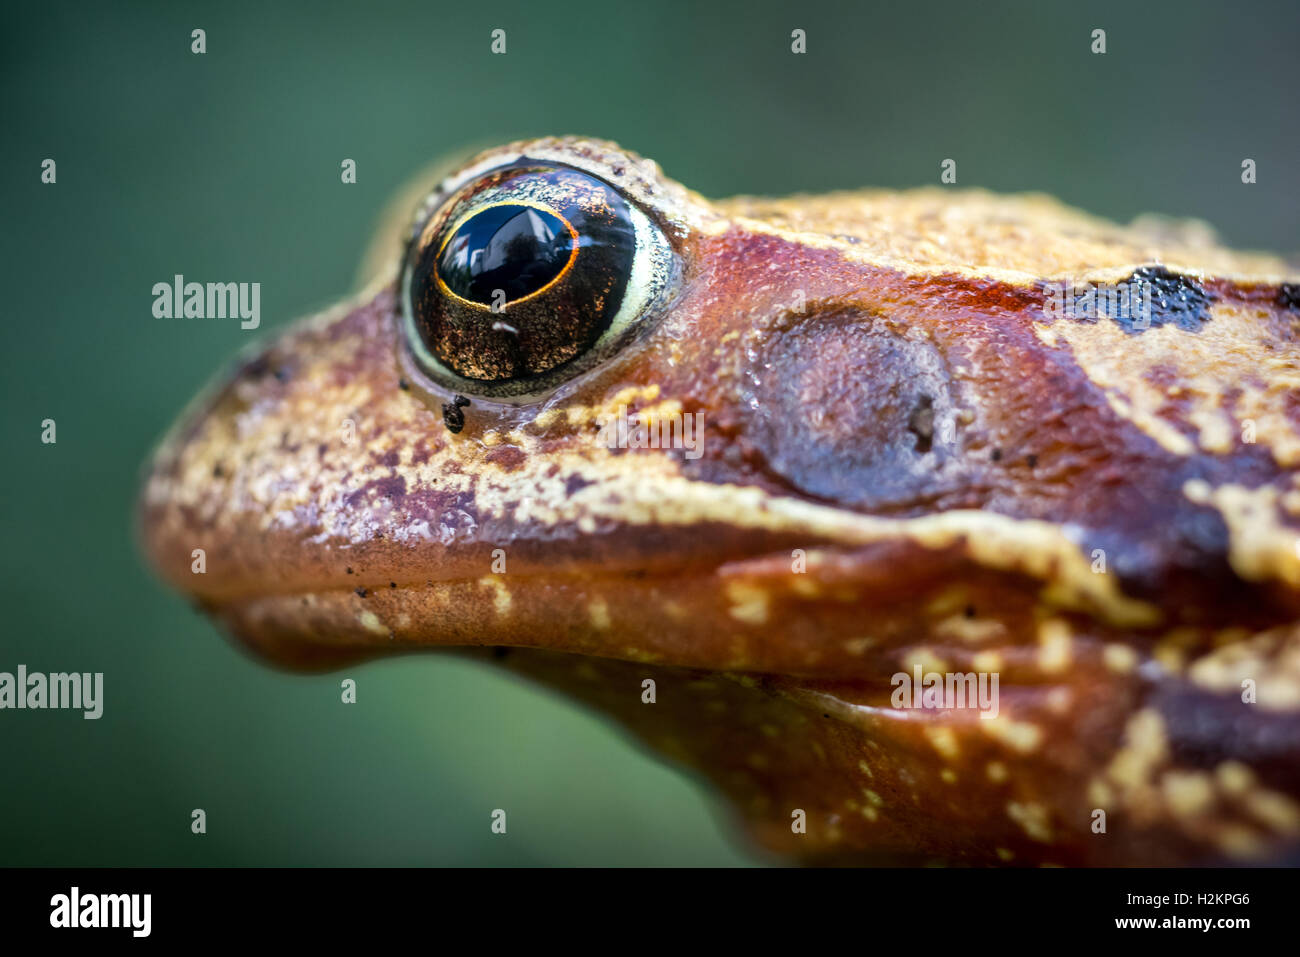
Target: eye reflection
(513,247)
(525,276)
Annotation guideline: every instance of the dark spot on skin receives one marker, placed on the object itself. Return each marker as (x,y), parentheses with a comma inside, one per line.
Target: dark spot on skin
(1031,460)
(256,368)
(403,385)
(921,423)
(508,457)
(1288,296)
(282,374)
(1173,299)
(218,471)
(349,570)
(576,483)
(500,651)
(1205,729)
(970,611)
(304,601)
(825,716)
(452,414)
(392,487)
(392,584)
(361,591)
(997,455)
(391,459)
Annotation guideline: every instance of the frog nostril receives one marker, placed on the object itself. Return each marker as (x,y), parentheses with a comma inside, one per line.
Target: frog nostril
(921,423)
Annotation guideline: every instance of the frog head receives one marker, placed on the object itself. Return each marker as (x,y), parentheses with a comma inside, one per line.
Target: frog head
(787,460)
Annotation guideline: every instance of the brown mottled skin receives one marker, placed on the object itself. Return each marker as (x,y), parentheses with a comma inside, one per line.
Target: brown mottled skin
(906,461)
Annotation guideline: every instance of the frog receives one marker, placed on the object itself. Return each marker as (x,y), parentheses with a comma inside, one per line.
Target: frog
(962,566)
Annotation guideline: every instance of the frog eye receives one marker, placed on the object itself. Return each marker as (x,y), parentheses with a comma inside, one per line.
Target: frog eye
(528,275)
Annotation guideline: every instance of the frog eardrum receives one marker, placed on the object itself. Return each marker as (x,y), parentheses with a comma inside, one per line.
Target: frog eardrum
(527,275)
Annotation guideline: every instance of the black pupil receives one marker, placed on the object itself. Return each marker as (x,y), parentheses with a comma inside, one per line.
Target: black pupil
(515,248)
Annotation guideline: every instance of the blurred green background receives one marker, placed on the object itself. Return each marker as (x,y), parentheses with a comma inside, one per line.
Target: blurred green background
(226,167)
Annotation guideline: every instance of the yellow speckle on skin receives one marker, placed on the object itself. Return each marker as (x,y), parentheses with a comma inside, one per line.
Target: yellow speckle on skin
(1234,778)
(1239,841)
(1058,700)
(865,769)
(873,797)
(500,593)
(631,395)
(1291,501)
(952,599)
(1004,854)
(1260,547)
(1169,657)
(1230,636)
(1276,811)
(1133,768)
(944,741)
(1270,659)
(870,813)
(988,662)
(1119,658)
(1153,425)
(1033,819)
(598,610)
(1019,735)
(545,419)
(371,623)
(971,630)
(1054,645)
(749,603)
(948,775)
(1197,490)
(928,661)
(805,586)
(1216,431)
(1188,793)
(997,771)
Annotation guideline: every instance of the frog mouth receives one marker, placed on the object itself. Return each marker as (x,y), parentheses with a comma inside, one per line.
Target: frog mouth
(791,604)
